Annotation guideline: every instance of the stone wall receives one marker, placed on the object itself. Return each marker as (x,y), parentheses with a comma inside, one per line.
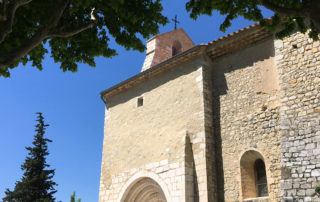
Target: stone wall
(245,111)
(201,119)
(165,136)
(298,60)
(210,139)
(170,176)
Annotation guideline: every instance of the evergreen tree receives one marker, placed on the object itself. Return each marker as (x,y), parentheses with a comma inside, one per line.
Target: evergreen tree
(73,198)
(36,184)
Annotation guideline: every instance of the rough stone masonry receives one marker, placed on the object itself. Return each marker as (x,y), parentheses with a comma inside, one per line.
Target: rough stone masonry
(298,61)
(236,119)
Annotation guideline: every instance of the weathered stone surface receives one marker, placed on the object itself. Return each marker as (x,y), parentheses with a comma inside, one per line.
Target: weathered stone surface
(299,115)
(199,120)
(152,137)
(246,108)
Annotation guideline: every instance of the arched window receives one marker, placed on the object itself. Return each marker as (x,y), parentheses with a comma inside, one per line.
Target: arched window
(176,48)
(253,175)
(261,178)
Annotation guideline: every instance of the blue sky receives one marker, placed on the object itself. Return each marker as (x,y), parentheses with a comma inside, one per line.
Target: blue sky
(71,104)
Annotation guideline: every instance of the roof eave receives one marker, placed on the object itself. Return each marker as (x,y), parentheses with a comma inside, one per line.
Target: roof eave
(200,48)
(214,49)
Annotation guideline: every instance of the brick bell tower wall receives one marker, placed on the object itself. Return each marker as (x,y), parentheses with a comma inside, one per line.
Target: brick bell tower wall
(166,45)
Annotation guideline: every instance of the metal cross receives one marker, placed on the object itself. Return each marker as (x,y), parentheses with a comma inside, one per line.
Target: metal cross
(175,20)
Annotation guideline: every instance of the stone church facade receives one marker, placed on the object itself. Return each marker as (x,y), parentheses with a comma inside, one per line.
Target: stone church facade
(237,119)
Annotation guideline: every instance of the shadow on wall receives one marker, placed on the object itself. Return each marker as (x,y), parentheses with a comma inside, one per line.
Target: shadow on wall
(247,57)
(191,187)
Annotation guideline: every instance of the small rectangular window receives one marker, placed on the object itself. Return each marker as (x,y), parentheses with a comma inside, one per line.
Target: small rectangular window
(140,102)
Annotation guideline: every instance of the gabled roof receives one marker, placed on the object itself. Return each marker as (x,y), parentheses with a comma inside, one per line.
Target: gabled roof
(221,46)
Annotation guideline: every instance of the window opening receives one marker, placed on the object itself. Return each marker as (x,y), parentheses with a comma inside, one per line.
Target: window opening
(176,48)
(140,102)
(253,175)
(261,178)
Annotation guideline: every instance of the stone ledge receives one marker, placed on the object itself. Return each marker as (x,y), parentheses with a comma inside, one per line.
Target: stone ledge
(258,199)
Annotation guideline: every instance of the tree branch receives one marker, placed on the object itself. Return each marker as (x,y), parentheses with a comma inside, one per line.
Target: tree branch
(50,30)
(15,55)
(8,17)
(55,18)
(299,12)
(63,33)
(6,26)
(43,33)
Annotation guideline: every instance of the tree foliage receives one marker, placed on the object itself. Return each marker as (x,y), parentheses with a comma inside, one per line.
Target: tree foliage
(73,198)
(317,190)
(77,31)
(289,15)
(36,184)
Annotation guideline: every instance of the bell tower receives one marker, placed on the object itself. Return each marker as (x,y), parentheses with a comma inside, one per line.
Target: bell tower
(165,46)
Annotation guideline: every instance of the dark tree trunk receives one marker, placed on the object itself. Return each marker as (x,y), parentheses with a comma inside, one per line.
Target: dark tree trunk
(315,13)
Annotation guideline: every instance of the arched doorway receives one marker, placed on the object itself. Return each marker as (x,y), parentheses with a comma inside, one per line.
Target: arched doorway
(144,190)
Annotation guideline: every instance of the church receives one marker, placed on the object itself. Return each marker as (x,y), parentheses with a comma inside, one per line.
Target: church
(235,119)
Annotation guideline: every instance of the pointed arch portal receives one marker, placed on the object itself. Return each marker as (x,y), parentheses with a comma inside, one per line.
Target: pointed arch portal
(144,187)
(144,190)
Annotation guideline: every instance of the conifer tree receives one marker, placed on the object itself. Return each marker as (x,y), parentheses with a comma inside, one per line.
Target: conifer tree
(36,185)
(73,198)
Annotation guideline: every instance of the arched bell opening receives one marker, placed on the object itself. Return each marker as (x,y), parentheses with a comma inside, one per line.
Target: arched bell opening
(176,48)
